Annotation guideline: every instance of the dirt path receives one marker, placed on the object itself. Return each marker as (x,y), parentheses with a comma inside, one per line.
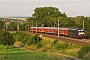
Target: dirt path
(20,47)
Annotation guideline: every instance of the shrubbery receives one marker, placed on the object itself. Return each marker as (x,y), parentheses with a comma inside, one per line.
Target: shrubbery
(58,45)
(34,43)
(84,51)
(26,39)
(36,39)
(39,45)
(55,41)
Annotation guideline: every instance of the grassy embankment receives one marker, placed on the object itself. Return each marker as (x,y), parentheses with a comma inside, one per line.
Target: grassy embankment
(48,45)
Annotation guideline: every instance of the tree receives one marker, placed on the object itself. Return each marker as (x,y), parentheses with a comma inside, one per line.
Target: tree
(46,16)
(46,13)
(43,12)
(22,27)
(6,39)
(1,25)
(13,26)
(64,14)
(30,22)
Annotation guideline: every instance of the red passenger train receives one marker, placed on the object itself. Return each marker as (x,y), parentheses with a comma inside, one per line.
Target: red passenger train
(70,32)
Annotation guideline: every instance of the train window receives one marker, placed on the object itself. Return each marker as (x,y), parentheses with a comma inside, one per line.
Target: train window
(81,31)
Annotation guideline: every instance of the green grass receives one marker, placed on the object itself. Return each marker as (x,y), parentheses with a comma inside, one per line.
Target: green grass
(17,54)
(28,56)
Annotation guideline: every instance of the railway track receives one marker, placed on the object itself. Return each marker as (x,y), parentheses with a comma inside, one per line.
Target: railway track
(67,39)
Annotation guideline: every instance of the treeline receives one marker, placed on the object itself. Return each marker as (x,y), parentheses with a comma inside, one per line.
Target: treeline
(48,17)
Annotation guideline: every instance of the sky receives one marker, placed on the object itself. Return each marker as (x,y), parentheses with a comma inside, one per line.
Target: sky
(72,8)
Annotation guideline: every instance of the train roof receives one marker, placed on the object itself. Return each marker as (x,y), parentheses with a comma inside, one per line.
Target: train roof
(51,28)
(76,29)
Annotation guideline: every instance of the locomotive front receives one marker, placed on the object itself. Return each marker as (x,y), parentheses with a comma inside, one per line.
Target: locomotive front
(81,33)
(76,33)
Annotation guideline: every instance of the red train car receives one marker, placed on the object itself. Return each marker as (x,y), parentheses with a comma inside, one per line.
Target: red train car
(50,30)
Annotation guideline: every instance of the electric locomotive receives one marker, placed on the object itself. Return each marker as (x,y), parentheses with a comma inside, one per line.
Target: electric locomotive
(76,32)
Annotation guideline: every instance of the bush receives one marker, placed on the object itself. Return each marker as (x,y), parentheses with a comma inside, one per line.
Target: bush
(55,41)
(33,39)
(57,45)
(84,51)
(39,45)
(29,42)
(20,36)
(36,39)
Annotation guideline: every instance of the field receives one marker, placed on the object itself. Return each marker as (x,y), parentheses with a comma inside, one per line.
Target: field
(17,54)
